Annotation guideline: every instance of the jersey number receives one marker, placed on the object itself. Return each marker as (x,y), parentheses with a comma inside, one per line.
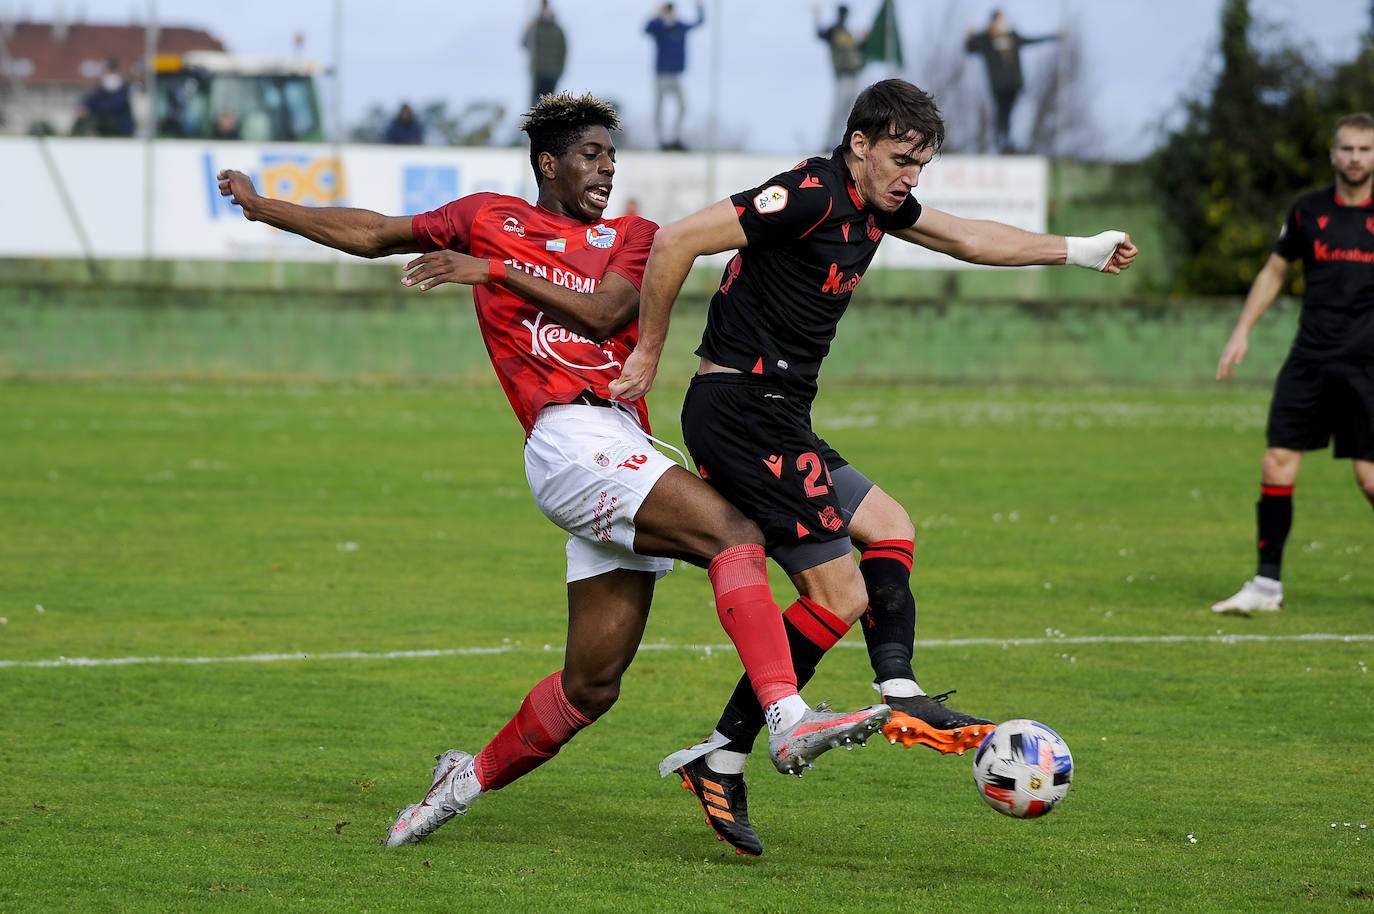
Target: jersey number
(812,465)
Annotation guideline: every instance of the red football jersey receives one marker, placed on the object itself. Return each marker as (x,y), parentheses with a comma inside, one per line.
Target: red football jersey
(537,359)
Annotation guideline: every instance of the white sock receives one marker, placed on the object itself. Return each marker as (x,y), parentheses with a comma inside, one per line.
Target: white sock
(726,761)
(899,688)
(781,715)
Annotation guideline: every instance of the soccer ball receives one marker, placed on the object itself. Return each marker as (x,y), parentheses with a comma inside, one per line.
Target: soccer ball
(1022,769)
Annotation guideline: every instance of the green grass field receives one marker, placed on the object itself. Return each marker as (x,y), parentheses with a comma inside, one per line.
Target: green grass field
(257,574)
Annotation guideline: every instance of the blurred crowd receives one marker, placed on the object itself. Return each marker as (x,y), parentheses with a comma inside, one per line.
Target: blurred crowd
(107,109)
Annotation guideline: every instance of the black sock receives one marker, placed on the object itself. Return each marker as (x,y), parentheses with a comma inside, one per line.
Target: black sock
(1274,511)
(890,622)
(811,631)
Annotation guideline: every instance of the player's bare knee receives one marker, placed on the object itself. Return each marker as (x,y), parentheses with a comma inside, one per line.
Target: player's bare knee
(1367,487)
(1280,468)
(592,697)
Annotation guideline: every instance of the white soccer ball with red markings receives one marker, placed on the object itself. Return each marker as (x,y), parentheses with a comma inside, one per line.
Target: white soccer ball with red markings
(1023,769)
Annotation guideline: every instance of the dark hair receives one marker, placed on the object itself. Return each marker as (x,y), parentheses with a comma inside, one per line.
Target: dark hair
(1361,120)
(558,121)
(896,108)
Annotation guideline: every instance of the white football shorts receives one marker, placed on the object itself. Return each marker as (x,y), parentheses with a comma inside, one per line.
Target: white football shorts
(590,468)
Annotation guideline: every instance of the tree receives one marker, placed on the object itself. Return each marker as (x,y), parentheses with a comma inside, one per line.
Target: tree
(1227,176)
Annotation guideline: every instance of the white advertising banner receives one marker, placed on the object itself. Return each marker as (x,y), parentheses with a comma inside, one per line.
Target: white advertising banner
(121,199)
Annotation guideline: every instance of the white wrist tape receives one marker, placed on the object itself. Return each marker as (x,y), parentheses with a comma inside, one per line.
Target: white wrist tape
(1095,252)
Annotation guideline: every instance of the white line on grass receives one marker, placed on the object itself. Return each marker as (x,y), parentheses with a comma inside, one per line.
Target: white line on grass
(696,648)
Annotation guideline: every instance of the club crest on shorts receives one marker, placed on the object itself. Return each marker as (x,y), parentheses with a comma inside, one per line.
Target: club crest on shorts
(602,460)
(829,519)
(601,236)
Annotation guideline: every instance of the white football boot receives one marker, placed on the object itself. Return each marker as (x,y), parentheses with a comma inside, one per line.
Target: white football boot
(451,794)
(1256,595)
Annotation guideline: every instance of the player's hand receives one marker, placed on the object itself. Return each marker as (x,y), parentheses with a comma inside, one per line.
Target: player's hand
(438,267)
(238,187)
(636,376)
(1232,355)
(1105,252)
(1122,257)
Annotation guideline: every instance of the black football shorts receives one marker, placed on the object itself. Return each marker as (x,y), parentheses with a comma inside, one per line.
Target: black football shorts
(1316,402)
(754,444)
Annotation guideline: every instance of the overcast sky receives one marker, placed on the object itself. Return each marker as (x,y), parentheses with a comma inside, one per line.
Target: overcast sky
(757,61)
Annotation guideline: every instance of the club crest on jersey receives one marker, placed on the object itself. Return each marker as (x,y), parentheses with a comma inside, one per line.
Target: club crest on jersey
(513,226)
(602,460)
(874,233)
(554,341)
(1369,223)
(601,236)
(771,199)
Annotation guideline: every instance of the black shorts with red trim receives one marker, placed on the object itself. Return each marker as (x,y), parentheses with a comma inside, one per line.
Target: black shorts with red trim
(754,444)
(1316,402)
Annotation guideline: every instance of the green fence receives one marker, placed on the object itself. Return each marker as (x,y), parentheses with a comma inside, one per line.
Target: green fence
(387,333)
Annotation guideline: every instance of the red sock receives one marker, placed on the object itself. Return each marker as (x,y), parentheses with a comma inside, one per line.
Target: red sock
(749,616)
(545,722)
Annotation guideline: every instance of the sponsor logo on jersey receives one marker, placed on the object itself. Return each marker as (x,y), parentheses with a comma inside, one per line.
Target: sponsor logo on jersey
(601,236)
(513,226)
(836,283)
(557,245)
(556,342)
(772,199)
(1323,251)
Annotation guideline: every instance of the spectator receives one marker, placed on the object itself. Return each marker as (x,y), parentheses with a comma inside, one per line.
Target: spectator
(105,110)
(1000,47)
(405,129)
(670,47)
(226,126)
(847,59)
(548,49)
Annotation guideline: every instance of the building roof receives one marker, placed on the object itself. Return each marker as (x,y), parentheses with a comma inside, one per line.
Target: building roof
(76,52)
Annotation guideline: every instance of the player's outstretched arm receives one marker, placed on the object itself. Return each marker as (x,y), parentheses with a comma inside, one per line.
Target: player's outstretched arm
(997,244)
(353,231)
(596,315)
(676,247)
(1266,287)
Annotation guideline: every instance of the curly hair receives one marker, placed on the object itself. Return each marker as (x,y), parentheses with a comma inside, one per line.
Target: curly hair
(558,121)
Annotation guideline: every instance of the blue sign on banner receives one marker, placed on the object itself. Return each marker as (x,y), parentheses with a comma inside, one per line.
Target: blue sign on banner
(427,187)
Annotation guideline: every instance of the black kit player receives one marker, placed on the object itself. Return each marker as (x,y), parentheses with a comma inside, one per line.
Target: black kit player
(804,240)
(555,287)
(1325,389)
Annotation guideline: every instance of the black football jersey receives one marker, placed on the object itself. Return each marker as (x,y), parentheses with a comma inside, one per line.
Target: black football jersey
(780,298)
(1335,242)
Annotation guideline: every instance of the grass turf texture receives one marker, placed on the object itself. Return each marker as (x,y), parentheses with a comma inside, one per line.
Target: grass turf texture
(220,521)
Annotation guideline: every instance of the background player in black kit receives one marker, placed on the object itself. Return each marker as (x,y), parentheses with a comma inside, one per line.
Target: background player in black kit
(1325,389)
(805,239)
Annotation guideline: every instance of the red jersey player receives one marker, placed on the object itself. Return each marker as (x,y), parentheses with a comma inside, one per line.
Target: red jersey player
(556,287)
